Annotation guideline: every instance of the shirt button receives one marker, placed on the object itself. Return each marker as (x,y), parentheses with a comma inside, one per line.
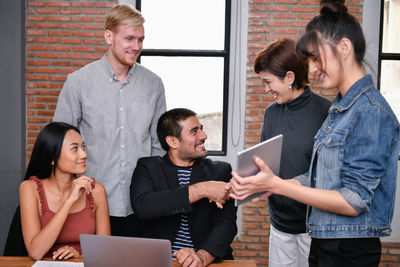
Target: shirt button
(111,80)
(122,146)
(123,182)
(121,108)
(122,127)
(123,164)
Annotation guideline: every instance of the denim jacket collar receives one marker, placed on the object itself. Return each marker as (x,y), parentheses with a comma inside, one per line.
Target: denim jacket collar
(357,89)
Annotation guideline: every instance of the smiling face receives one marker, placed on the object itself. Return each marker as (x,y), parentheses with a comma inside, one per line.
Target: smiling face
(325,66)
(278,87)
(73,155)
(190,145)
(126,43)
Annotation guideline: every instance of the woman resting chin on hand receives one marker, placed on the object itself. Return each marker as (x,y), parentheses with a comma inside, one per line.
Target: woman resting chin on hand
(55,206)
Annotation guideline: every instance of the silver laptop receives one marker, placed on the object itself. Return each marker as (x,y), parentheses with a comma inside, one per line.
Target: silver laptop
(106,251)
(269,150)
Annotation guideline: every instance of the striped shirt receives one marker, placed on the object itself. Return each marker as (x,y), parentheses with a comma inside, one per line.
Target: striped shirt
(183,238)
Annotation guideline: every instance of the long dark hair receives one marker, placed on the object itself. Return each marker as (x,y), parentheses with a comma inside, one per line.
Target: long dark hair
(47,149)
(333,24)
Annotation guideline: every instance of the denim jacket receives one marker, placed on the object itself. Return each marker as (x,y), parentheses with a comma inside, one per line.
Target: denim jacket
(356,153)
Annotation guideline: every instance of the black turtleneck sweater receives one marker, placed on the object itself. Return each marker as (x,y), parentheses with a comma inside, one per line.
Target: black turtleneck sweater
(298,121)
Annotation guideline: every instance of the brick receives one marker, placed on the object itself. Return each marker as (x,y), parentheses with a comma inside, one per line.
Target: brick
(60,63)
(246,253)
(71,26)
(47,40)
(94,27)
(94,41)
(253,219)
(284,16)
(105,4)
(248,239)
(37,3)
(45,113)
(83,34)
(36,18)
(47,25)
(47,55)
(47,10)
(58,4)
(94,12)
(257,247)
(70,41)
(71,11)
(82,49)
(59,48)
(36,32)
(59,18)
(37,63)
(37,47)
(83,19)
(257,232)
(37,120)
(274,8)
(59,33)
(46,70)
(47,85)
(82,4)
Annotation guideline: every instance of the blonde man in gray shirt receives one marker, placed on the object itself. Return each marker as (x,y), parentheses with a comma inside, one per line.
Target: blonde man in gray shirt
(116,103)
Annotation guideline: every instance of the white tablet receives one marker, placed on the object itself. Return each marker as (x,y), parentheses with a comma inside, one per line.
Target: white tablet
(269,151)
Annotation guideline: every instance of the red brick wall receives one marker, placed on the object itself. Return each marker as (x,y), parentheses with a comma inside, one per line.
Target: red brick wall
(268,21)
(63,36)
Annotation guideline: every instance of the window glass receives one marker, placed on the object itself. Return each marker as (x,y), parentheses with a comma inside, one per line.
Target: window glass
(391,26)
(195,83)
(390,84)
(184,24)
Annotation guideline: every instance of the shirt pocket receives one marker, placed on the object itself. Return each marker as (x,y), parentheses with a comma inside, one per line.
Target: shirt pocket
(331,150)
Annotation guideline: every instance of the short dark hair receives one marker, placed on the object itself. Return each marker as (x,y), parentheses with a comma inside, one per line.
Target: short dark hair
(47,149)
(333,24)
(279,58)
(168,124)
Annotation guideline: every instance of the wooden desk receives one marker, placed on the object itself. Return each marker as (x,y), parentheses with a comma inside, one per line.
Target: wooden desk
(28,262)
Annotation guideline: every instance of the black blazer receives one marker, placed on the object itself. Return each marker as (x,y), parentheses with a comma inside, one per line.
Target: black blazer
(158,201)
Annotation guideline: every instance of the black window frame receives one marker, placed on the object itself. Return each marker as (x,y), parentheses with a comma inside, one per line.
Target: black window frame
(381,55)
(225,53)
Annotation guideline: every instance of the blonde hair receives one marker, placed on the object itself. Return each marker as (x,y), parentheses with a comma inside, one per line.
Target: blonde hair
(123,14)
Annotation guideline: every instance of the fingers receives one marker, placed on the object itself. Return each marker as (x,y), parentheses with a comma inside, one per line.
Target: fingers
(65,253)
(187,257)
(261,165)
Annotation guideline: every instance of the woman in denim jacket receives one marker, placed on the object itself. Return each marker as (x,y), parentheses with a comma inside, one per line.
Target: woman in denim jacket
(351,181)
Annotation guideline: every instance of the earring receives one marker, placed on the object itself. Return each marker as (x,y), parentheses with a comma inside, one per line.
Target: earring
(290,86)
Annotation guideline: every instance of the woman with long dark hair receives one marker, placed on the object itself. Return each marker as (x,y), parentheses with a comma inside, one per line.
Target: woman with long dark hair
(350,186)
(55,205)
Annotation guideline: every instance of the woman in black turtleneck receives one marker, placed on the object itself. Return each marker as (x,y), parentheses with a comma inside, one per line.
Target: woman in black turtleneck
(298,113)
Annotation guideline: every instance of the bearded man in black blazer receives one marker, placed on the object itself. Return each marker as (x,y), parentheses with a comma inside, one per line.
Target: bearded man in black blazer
(182,197)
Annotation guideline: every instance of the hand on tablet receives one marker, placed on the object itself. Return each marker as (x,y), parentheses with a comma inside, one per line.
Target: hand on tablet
(242,187)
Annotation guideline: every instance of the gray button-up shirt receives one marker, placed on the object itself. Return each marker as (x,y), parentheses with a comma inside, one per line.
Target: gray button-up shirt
(117,122)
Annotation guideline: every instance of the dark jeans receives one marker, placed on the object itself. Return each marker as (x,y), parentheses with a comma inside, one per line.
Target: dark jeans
(125,226)
(351,252)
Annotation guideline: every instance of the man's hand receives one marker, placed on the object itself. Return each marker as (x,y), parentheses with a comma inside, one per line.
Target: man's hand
(187,257)
(213,190)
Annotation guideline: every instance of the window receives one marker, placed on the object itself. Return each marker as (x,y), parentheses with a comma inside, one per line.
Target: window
(389,79)
(389,54)
(187,44)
